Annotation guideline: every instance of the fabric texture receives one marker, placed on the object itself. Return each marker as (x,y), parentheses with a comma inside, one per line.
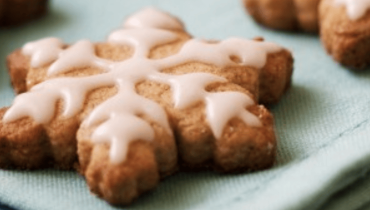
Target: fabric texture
(322,123)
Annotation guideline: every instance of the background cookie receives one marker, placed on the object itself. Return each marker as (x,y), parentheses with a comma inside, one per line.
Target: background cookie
(345,33)
(285,14)
(15,12)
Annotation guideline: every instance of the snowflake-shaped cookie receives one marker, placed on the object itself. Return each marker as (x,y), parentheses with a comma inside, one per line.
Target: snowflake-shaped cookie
(145,102)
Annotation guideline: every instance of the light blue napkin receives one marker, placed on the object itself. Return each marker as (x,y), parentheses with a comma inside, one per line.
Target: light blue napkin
(322,123)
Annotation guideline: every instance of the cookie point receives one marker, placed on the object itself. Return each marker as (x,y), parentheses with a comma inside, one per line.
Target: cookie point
(151,17)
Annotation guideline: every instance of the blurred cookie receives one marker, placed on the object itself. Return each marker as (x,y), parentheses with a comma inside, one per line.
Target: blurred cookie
(147,101)
(345,31)
(288,15)
(16,12)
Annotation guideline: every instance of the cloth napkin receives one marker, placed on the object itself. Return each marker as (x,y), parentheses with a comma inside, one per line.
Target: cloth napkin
(322,123)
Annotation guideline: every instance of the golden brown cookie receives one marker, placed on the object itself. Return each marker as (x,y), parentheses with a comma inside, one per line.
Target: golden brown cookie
(346,33)
(142,104)
(288,15)
(15,12)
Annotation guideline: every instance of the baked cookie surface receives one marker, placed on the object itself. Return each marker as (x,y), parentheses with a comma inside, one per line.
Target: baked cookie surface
(285,14)
(135,108)
(345,31)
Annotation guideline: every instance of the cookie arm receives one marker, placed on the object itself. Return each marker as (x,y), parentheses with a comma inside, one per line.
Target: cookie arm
(18,66)
(249,148)
(275,77)
(120,183)
(240,148)
(27,145)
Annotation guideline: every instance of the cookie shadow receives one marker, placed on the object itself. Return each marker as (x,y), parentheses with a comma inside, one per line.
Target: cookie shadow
(364,73)
(295,114)
(297,102)
(184,190)
(296,32)
(292,32)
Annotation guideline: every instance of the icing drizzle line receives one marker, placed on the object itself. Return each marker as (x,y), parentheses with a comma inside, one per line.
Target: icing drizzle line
(117,118)
(356,9)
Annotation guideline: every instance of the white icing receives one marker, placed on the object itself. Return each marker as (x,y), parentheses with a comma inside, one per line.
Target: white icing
(153,18)
(81,54)
(138,39)
(43,51)
(117,120)
(356,9)
(44,96)
(221,107)
(189,88)
(119,137)
(251,53)
(128,102)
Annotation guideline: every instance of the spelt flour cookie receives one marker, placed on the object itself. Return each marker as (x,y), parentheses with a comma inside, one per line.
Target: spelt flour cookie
(149,100)
(345,31)
(15,12)
(285,14)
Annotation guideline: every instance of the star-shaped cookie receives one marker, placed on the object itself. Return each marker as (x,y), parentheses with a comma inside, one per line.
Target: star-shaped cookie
(148,101)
